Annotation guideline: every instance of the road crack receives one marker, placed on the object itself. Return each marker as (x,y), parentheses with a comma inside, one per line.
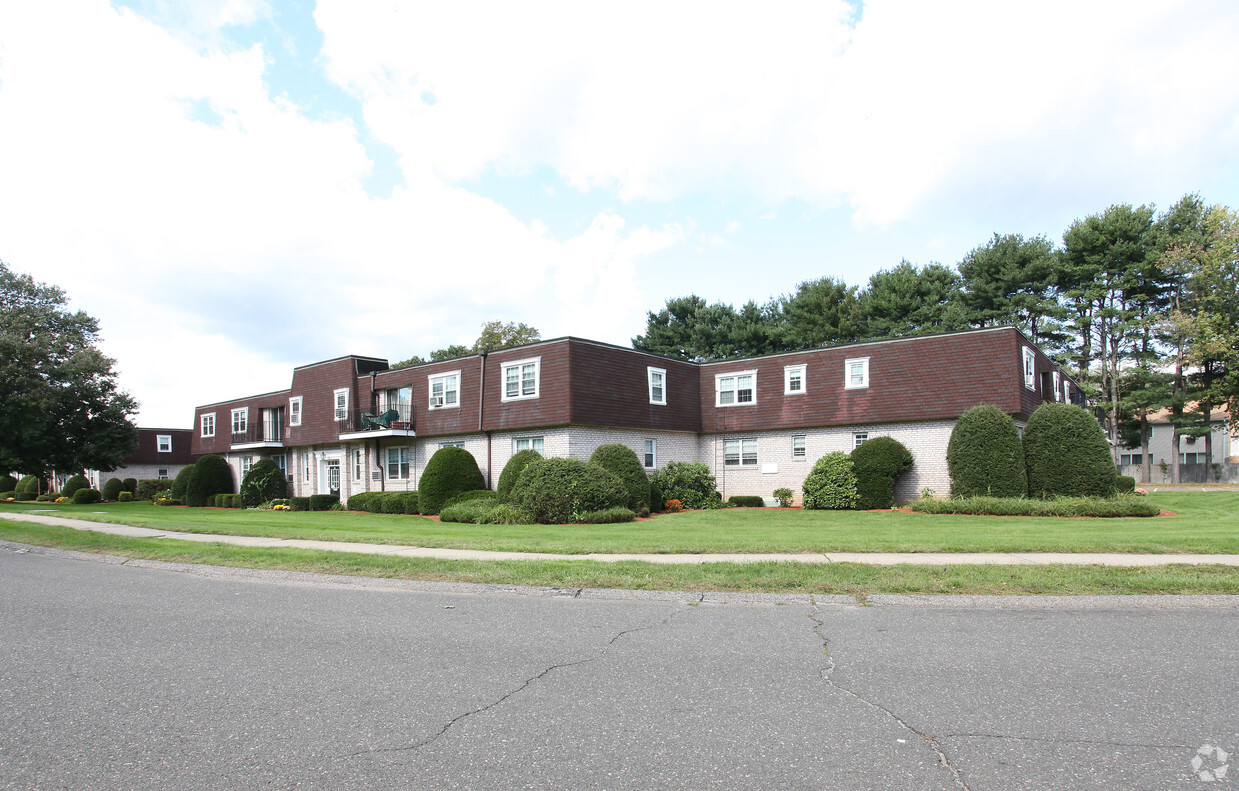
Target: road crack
(828,677)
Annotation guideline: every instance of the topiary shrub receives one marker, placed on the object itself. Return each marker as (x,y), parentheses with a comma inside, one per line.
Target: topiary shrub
(24,496)
(181,482)
(211,476)
(1124,484)
(877,467)
(362,501)
(323,502)
(265,481)
(450,471)
(112,489)
(831,484)
(30,483)
(512,472)
(689,482)
(985,457)
(125,497)
(130,485)
(1067,453)
(558,491)
(746,501)
(87,496)
(299,503)
(74,483)
(622,461)
(7,495)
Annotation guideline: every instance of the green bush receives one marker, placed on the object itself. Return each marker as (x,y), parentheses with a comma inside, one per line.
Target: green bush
(45,498)
(1124,484)
(1067,453)
(323,502)
(468,512)
(74,483)
(264,481)
(112,489)
(1108,507)
(30,483)
(130,485)
(985,455)
(390,503)
(299,503)
(7,495)
(470,496)
(622,461)
(450,471)
(87,496)
(785,496)
(364,501)
(125,497)
(657,501)
(512,472)
(23,496)
(878,463)
(147,487)
(212,476)
(181,482)
(505,514)
(558,491)
(831,484)
(8,483)
(746,501)
(610,516)
(689,482)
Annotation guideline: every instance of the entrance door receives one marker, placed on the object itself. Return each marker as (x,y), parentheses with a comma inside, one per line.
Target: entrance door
(333,477)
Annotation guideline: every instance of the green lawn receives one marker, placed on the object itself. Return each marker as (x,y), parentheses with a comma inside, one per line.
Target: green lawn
(843,578)
(1204,522)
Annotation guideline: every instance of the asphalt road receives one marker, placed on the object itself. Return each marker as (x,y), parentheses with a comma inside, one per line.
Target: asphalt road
(143,676)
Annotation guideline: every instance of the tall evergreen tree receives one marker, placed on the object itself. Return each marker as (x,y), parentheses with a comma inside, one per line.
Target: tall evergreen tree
(906,300)
(1011,280)
(821,312)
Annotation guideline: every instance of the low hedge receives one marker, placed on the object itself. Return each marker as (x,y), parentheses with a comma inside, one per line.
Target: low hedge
(169,501)
(746,501)
(1062,506)
(74,483)
(87,496)
(22,496)
(384,502)
(470,496)
(323,502)
(609,516)
(124,497)
(468,512)
(299,503)
(7,495)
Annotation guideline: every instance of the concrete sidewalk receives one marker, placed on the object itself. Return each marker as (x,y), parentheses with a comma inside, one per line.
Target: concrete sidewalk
(869,558)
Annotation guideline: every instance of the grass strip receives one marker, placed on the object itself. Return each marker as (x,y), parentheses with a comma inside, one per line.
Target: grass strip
(774,577)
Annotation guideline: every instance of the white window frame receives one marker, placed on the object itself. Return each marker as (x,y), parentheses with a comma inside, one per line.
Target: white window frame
(341,405)
(1029,362)
(745,453)
(240,420)
(1066,392)
(451,445)
(519,365)
(859,438)
(793,373)
(281,461)
(163,443)
(450,397)
(401,463)
(735,390)
(247,464)
(658,392)
(162,473)
(357,465)
(207,424)
(294,411)
(1058,386)
(800,450)
(529,442)
(849,381)
(650,457)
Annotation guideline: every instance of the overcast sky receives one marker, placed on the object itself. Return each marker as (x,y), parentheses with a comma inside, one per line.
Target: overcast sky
(236,187)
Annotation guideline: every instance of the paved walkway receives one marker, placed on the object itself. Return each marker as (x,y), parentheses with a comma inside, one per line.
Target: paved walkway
(871,558)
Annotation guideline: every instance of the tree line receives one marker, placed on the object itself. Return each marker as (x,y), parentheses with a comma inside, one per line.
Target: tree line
(1142,307)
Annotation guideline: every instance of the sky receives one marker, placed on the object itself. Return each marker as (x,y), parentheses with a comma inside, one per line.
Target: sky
(237,187)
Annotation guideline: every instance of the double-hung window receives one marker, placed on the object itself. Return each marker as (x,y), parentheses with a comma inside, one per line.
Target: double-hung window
(657,379)
(163,443)
(793,379)
(294,411)
(208,424)
(528,443)
(397,464)
(445,390)
(651,454)
(798,446)
(735,389)
(856,373)
(357,465)
(740,452)
(1030,368)
(281,462)
(247,463)
(859,438)
(520,379)
(240,420)
(341,399)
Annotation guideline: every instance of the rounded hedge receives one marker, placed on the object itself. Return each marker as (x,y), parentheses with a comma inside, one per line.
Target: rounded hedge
(1067,454)
(622,461)
(689,482)
(131,485)
(878,463)
(212,476)
(181,482)
(512,472)
(450,471)
(30,483)
(985,457)
(87,496)
(558,491)
(112,489)
(831,484)
(1124,484)
(8,483)
(74,483)
(265,481)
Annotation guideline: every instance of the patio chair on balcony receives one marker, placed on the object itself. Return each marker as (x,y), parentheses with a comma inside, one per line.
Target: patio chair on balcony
(379,421)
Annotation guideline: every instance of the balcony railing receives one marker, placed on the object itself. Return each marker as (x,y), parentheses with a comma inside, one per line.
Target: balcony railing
(271,433)
(358,420)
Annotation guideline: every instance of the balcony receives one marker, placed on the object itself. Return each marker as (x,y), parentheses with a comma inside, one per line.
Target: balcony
(392,422)
(265,436)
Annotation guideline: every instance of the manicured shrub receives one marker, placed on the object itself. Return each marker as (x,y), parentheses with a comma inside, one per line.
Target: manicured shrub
(785,496)
(656,497)
(125,497)
(558,491)
(610,516)
(87,496)
(130,485)
(212,476)
(1124,484)
(7,495)
(299,503)
(622,461)
(112,489)
(323,502)
(746,501)
(470,496)
(181,482)
(24,496)
(450,471)
(168,501)
(1097,507)
(985,455)
(32,484)
(505,514)
(74,483)
(390,503)
(878,463)
(468,512)
(831,484)
(512,472)
(1067,453)
(147,487)
(689,482)
(8,483)
(45,498)
(363,501)
(264,481)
